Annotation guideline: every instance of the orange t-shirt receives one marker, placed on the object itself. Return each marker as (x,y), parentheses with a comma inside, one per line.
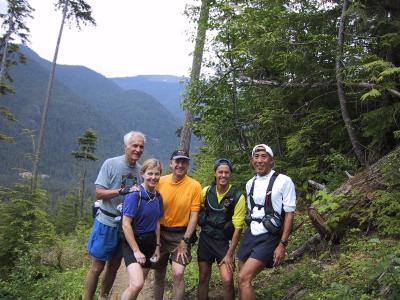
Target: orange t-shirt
(179,200)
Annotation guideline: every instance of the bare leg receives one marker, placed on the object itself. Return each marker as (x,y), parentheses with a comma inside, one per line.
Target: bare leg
(248,271)
(179,284)
(110,272)
(227,282)
(159,282)
(137,276)
(204,280)
(92,278)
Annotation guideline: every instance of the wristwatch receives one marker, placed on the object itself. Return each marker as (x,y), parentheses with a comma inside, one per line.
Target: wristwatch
(186,240)
(284,242)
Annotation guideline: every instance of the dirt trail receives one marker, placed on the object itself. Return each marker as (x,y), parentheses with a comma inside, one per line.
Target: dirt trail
(122,281)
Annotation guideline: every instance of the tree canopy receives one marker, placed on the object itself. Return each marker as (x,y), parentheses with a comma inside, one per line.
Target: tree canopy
(274,81)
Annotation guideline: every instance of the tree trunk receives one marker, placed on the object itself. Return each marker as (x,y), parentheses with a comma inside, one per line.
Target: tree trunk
(43,121)
(82,192)
(202,26)
(6,40)
(315,239)
(243,142)
(342,97)
(4,61)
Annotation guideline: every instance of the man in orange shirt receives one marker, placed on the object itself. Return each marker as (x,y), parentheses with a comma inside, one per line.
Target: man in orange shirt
(181,200)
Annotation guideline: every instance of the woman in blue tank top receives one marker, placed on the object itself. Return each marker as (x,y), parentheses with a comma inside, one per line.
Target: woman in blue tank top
(140,223)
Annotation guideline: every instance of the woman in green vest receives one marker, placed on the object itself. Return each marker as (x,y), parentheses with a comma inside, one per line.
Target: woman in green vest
(221,220)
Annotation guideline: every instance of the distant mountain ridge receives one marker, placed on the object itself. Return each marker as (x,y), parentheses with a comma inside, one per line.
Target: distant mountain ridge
(167,89)
(81,99)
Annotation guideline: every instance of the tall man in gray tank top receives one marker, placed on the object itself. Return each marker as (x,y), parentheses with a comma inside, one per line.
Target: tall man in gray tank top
(116,178)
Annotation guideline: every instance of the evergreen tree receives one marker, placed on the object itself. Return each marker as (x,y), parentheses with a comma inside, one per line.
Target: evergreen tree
(85,154)
(77,11)
(14,27)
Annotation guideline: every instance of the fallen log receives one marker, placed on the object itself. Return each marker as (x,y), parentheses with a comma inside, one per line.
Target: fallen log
(354,196)
(314,240)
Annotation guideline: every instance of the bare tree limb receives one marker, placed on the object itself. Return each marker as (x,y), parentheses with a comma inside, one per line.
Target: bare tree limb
(318,186)
(275,83)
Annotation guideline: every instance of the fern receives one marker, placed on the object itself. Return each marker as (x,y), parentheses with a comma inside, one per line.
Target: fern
(374,93)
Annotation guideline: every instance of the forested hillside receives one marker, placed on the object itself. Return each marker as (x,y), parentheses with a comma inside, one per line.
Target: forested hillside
(81,99)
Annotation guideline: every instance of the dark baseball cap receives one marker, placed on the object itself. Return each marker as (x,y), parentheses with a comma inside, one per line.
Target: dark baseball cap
(177,154)
(222,161)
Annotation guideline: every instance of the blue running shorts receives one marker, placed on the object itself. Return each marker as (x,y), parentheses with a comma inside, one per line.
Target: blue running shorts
(104,242)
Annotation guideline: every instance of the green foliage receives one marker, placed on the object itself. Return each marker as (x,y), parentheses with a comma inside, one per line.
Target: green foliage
(336,163)
(24,225)
(23,276)
(379,124)
(396,134)
(391,71)
(66,214)
(35,263)
(6,138)
(390,167)
(324,201)
(5,113)
(5,88)
(18,11)
(61,285)
(78,12)
(274,83)
(385,210)
(56,272)
(373,93)
(85,154)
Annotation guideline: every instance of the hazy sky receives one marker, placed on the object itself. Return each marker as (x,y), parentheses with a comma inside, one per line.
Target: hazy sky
(132,37)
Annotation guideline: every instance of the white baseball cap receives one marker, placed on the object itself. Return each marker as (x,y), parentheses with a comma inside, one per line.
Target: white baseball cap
(264,147)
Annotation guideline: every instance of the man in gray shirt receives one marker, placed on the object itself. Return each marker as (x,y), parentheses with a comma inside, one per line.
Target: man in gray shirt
(116,178)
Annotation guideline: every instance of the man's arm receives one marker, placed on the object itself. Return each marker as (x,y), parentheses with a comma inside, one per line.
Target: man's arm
(182,247)
(194,216)
(279,253)
(106,194)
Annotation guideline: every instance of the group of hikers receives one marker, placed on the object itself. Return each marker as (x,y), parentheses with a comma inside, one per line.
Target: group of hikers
(160,215)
